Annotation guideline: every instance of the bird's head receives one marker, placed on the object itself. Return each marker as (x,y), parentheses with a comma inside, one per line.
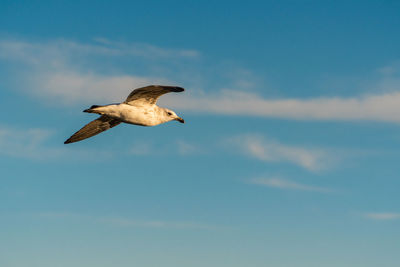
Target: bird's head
(171,115)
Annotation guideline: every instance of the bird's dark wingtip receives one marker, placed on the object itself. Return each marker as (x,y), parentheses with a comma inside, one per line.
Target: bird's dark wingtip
(67,141)
(171,88)
(176,89)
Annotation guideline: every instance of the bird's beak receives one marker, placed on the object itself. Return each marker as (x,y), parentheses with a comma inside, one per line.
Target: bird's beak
(180,120)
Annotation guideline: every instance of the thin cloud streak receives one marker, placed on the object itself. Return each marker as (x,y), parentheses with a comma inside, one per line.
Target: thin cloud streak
(186,148)
(34,144)
(145,50)
(289,185)
(125,222)
(382,216)
(32,52)
(383,107)
(273,151)
(180,147)
(26,143)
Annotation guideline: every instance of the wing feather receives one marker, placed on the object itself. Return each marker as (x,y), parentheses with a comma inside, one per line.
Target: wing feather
(150,94)
(92,128)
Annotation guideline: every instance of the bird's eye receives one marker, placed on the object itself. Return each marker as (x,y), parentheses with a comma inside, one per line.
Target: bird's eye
(169,113)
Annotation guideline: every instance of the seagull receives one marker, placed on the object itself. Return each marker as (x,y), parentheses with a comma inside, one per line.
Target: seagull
(139,108)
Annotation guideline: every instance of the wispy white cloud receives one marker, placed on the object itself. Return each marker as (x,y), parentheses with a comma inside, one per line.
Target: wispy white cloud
(272,151)
(26,143)
(35,144)
(72,87)
(124,221)
(382,216)
(143,148)
(255,146)
(180,147)
(68,72)
(287,184)
(186,148)
(142,49)
(33,52)
(379,107)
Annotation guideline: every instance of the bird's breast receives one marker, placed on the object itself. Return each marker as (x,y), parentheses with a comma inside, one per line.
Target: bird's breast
(145,116)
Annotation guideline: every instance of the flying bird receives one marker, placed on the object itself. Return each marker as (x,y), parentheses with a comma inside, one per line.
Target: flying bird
(139,108)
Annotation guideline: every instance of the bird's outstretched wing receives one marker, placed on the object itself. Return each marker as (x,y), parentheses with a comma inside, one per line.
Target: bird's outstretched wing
(92,128)
(150,94)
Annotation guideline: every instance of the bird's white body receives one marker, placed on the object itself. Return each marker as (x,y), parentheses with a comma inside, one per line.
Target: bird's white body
(144,115)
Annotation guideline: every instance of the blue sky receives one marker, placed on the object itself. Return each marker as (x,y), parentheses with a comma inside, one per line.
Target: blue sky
(289,154)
